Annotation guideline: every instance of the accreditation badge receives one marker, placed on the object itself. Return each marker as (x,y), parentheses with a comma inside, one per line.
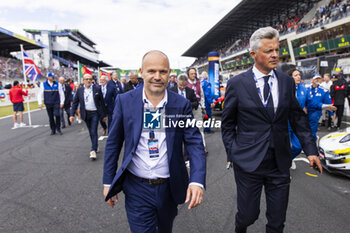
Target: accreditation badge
(153,148)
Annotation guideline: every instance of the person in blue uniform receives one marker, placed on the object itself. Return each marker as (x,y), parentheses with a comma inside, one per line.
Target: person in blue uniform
(318,98)
(208,97)
(53,100)
(301,93)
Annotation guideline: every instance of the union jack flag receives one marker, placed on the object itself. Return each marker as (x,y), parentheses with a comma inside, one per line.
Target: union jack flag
(30,69)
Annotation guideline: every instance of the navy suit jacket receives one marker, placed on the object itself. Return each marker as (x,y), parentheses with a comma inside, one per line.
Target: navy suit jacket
(68,97)
(118,86)
(111,93)
(98,99)
(247,127)
(127,126)
(190,95)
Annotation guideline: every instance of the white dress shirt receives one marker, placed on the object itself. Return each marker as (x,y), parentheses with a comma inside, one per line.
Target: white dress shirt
(273,82)
(327,86)
(141,164)
(182,93)
(41,93)
(104,90)
(89,99)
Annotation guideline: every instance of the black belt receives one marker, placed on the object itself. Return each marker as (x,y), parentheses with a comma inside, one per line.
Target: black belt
(91,111)
(150,181)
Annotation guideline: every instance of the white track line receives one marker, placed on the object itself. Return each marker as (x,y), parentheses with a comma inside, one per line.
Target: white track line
(302,159)
(23,114)
(102,137)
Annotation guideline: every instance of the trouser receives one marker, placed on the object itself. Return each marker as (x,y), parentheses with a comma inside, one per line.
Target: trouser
(53,111)
(208,111)
(197,114)
(339,113)
(67,110)
(109,119)
(149,207)
(92,124)
(109,122)
(249,187)
(296,146)
(314,117)
(103,124)
(326,118)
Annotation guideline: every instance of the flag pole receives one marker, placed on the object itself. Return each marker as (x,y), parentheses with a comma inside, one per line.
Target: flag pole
(25,81)
(78,72)
(98,75)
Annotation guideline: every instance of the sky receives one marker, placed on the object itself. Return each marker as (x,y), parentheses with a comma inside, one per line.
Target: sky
(123,30)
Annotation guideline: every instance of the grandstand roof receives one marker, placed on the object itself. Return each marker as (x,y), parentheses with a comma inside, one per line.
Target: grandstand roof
(242,21)
(103,64)
(74,34)
(10,42)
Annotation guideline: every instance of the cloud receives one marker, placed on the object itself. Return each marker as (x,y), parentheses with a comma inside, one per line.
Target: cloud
(123,29)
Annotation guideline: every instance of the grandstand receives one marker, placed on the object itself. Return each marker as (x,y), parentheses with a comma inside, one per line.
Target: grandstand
(314,35)
(53,51)
(66,47)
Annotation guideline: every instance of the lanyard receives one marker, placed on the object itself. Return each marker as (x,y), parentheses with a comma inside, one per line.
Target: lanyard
(259,91)
(151,134)
(87,96)
(147,106)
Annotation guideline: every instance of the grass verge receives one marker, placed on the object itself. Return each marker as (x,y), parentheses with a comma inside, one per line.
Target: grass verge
(8,110)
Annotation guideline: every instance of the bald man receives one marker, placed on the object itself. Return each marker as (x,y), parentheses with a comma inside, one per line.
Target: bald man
(133,82)
(68,98)
(153,174)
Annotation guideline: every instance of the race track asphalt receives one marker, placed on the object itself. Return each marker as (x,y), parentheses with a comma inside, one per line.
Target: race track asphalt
(48,184)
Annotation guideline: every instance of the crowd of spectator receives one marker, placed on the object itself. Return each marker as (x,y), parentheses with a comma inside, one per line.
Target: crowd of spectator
(12,69)
(335,10)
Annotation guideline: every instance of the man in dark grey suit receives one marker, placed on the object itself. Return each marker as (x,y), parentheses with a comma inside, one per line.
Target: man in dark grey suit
(258,105)
(182,89)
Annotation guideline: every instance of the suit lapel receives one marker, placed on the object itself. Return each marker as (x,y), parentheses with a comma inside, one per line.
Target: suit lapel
(169,132)
(250,85)
(281,93)
(137,115)
(81,93)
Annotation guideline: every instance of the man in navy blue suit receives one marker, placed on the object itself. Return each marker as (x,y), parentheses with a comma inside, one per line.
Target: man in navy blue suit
(92,108)
(153,175)
(258,105)
(109,93)
(115,82)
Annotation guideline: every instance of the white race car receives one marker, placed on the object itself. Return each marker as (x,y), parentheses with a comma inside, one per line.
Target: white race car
(335,152)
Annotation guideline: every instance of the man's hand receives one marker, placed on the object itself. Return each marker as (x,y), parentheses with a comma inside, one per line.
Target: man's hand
(104,119)
(203,111)
(111,202)
(212,105)
(61,105)
(197,196)
(305,110)
(331,107)
(313,159)
(71,119)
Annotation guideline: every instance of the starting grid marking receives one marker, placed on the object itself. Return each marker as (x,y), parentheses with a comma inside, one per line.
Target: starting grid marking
(23,113)
(30,126)
(102,137)
(302,159)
